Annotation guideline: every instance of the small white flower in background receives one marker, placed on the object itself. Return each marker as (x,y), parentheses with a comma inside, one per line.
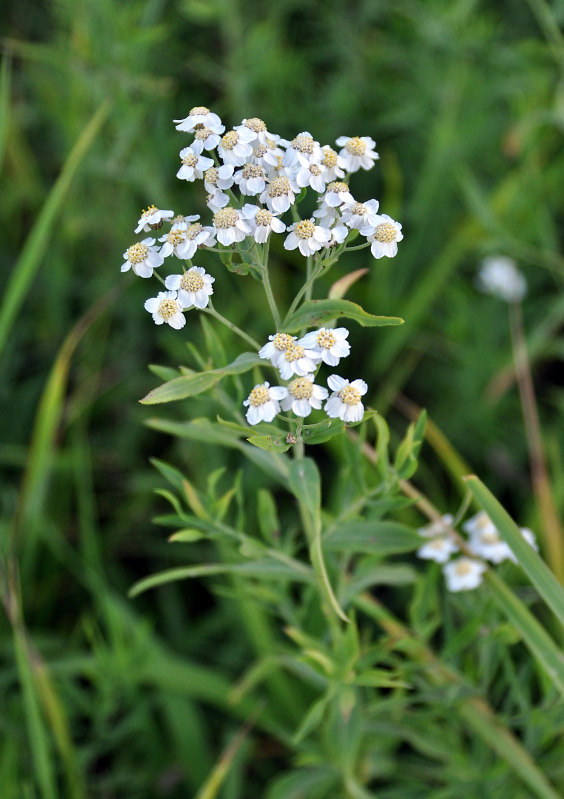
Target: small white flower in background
(193,165)
(500,277)
(485,541)
(165,308)
(436,528)
(463,574)
(311,175)
(193,287)
(345,401)
(263,402)
(262,222)
(279,195)
(303,150)
(438,549)
(229,226)
(276,346)
(200,115)
(329,344)
(235,147)
(142,257)
(296,360)
(361,215)
(303,395)
(152,219)
(205,138)
(333,163)
(384,237)
(336,194)
(307,236)
(250,179)
(357,152)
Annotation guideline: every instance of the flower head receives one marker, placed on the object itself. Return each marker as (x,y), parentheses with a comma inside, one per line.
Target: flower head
(358,152)
(438,549)
(307,236)
(193,165)
(251,179)
(336,194)
(463,574)
(276,346)
(345,401)
(263,402)
(165,308)
(500,277)
(142,257)
(152,219)
(235,146)
(384,236)
(279,194)
(436,528)
(229,226)
(200,115)
(296,360)
(303,395)
(262,222)
(193,287)
(205,138)
(330,344)
(302,150)
(361,215)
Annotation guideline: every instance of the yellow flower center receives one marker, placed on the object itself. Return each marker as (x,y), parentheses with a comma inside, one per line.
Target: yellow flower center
(359,209)
(202,132)
(230,140)
(193,231)
(489,537)
(190,160)
(437,543)
(385,232)
(279,187)
(260,151)
(191,281)
(326,339)
(259,396)
(199,110)
(175,237)
(337,186)
(315,169)
(225,217)
(137,253)
(301,388)
(356,146)
(330,158)
(349,395)
(263,217)
(483,521)
(150,211)
(463,567)
(178,218)
(168,308)
(303,144)
(256,124)
(252,171)
(305,229)
(282,341)
(294,353)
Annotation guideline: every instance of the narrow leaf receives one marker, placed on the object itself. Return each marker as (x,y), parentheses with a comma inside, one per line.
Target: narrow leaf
(376,537)
(315,313)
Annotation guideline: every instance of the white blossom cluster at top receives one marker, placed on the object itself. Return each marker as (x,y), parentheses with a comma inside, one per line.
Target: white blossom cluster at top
(484,543)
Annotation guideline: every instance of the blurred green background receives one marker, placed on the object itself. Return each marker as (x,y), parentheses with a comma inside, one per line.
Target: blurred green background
(466,102)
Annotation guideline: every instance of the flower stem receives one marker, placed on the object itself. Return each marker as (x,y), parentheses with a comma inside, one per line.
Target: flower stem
(237,330)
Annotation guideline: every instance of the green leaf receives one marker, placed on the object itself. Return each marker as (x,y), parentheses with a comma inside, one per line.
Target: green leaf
(375,537)
(186,536)
(190,385)
(313,718)
(314,313)
(305,484)
(408,451)
(269,443)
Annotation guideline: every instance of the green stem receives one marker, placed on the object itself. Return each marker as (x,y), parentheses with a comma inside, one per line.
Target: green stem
(304,289)
(358,247)
(237,330)
(270,296)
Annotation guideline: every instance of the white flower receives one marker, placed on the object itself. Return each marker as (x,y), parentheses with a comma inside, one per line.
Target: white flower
(258,128)
(345,401)
(206,138)
(463,574)
(384,237)
(194,287)
(485,541)
(196,236)
(357,152)
(438,549)
(220,177)
(303,149)
(165,308)
(175,242)
(251,179)
(193,165)
(216,200)
(336,194)
(235,147)
(263,402)
(311,175)
(439,527)
(330,344)
(303,395)
(307,236)
(142,257)
(229,227)
(338,234)
(262,222)
(361,215)
(276,346)
(279,194)
(333,163)
(268,155)
(200,115)
(327,216)
(500,277)
(152,219)
(296,360)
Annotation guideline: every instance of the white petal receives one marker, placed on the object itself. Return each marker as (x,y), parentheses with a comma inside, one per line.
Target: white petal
(336,382)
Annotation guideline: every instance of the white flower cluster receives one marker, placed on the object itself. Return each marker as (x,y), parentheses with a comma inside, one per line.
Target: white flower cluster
(484,543)
(297,361)
(500,277)
(268,172)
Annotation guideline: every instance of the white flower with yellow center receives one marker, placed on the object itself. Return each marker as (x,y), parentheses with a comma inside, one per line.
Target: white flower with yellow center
(263,402)
(200,115)
(333,163)
(463,574)
(500,277)
(279,194)
(205,138)
(235,147)
(251,179)
(338,234)
(358,152)
(296,360)
(142,257)
(196,235)
(262,222)
(307,236)
(268,155)
(384,236)
(345,401)
(336,194)
(152,219)
(218,177)
(193,165)
(329,344)
(165,308)
(303,396)
(327,216)
(216,200)
(438,549)
(361,215)
(302,150)
(229,226)
(258,128)
(175,241)
(312,175)
(276,346)
(193,288)
(439,527)
(486,542)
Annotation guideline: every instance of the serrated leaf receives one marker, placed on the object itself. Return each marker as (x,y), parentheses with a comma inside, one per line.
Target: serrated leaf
(315,313)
